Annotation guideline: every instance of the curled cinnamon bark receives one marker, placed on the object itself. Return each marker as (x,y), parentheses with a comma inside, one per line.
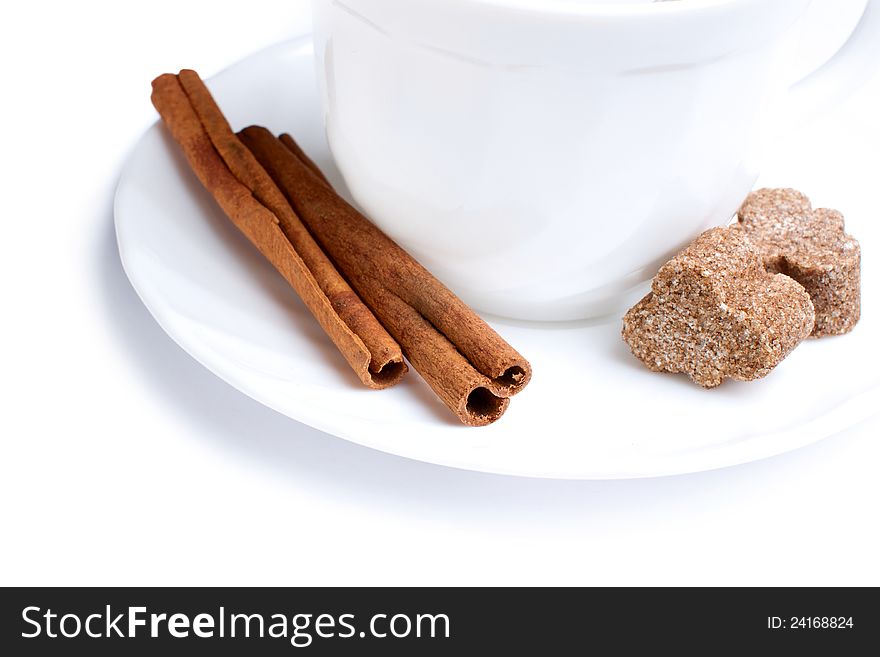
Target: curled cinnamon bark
(253,202)
(294,148)
(470,367)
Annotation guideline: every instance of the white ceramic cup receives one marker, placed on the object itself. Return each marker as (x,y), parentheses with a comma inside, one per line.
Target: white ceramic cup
(544,157)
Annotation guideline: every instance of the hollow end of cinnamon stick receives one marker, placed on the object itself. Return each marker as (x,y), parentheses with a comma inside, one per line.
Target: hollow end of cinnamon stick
(512,380)
(481,407)
(388,373)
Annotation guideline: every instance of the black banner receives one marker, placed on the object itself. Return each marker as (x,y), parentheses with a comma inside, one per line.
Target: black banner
(288,621)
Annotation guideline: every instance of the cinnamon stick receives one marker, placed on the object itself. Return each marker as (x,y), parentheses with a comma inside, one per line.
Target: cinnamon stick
(294,148)
(253,202)
(470,367)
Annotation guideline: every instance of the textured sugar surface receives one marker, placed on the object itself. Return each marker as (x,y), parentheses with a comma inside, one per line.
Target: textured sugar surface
(810,246)
(715,312)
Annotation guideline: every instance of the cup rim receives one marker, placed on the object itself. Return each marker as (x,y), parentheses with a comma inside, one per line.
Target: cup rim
(604,8)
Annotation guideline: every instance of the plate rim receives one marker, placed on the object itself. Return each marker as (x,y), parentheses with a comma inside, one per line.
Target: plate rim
(858,409)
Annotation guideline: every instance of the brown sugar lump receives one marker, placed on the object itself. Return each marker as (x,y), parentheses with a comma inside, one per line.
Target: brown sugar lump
(812,247)
(714,312)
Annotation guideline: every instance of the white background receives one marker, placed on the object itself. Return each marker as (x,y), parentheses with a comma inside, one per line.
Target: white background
(124,462)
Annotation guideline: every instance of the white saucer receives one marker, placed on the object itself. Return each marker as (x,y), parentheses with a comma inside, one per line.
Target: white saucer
(592,411)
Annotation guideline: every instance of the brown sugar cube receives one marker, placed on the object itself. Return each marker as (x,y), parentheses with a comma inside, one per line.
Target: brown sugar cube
(714,312)
(812,247)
